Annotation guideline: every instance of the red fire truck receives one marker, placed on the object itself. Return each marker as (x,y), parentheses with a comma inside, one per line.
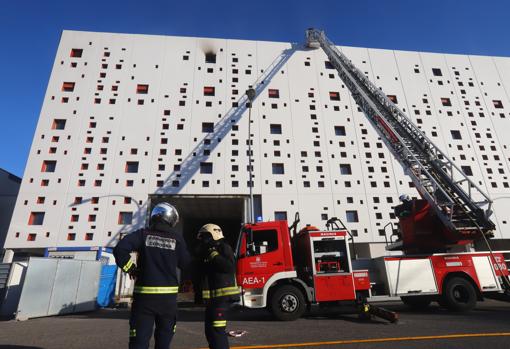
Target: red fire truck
(287,271)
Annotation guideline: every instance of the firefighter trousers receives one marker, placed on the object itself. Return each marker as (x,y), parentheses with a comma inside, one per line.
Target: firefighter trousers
(216,323)
(148,310)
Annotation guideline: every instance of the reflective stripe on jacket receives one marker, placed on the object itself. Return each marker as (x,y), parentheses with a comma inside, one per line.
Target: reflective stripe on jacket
(156,290)
(219,277)
(160,253)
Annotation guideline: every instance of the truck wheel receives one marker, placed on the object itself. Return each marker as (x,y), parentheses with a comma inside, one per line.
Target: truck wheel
(459,294)
(416,302)
(287,303)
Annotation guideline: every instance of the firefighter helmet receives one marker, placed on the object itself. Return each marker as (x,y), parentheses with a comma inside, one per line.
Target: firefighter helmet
(164,212)
(212,229)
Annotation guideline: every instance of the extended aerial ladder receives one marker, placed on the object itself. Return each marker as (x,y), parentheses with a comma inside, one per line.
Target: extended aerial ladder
(451,199)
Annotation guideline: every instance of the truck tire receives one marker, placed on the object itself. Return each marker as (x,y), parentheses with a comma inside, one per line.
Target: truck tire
(459,294)
(287,303)
(416,302)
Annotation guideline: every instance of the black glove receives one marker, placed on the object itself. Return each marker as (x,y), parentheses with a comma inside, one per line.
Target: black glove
(134,272)
(211,253)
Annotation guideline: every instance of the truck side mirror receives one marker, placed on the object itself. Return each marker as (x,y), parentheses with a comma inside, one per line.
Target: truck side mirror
(251,249)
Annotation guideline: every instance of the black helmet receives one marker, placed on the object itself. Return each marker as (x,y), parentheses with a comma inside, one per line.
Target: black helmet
(164,212)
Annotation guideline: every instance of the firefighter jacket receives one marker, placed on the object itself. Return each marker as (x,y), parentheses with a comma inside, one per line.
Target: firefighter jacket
(160,253)
(219,273)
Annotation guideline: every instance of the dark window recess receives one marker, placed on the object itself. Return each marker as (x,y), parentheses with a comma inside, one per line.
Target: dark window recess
(273,93)
(339,130)
(76,52)
(437,72)
(36,218)
(48,166)
(280,215)
(393,98)
(125,218)
(467,170)
(345,169)
(142,89)
(497,104)
(58,124)
(206,167)
(208,91)
(446,102)
(276,129)
(210,57)
(278,168)
(207,127)
(456,134)
(334,96)
(131,167)
(328,65)
(351,216)
(68,86)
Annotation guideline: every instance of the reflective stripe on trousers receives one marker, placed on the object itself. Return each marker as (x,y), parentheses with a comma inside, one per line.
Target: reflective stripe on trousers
(220,323)
(215,323)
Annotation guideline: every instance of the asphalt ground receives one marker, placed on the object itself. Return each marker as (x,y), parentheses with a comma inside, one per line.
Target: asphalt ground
(486,327)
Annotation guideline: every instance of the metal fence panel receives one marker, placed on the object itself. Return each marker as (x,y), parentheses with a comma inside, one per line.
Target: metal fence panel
(37,288)
(65,288)
(58,286)
(12,292)
(86,296)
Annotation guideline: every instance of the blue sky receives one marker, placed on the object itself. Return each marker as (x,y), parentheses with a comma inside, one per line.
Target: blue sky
(30,32)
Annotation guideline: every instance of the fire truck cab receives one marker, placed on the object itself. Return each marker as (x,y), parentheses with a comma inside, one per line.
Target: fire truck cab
(288,274)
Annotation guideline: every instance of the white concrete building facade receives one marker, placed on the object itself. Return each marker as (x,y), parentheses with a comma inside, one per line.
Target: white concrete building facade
(128,120)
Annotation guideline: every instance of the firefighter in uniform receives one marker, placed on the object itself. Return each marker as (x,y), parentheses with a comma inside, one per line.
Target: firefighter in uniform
(219,288)
(160,252)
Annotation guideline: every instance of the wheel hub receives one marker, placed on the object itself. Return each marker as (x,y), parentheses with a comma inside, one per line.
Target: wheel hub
(289,303)
(460,294)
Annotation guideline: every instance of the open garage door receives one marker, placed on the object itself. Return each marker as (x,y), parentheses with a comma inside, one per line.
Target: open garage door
(229,212)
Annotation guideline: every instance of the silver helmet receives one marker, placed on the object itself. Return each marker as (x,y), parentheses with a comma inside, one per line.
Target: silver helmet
(165,212)
(404,197)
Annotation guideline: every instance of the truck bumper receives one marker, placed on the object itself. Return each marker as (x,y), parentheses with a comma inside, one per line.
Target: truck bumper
(253,298)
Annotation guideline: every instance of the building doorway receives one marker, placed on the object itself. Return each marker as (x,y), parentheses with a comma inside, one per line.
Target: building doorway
(229,212)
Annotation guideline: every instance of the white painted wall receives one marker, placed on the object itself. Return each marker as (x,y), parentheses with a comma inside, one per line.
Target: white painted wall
(176,85)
